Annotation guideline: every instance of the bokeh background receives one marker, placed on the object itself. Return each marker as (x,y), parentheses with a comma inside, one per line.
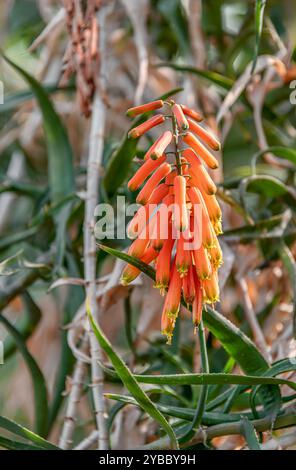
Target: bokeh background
(235,62)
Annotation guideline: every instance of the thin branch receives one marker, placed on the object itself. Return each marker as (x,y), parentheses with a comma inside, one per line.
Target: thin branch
(54,23)
(252,319)
(88,441)
(74,398)
(93,167)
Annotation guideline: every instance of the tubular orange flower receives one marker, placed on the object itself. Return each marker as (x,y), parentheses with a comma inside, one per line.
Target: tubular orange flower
(167,326)
(204,135)
(217,226)
(130,272)
(188,286)
(180,118)
(138,131)
(180,212)
(138,247)
(173,298)
(202,263)
(163,266)
(201,150)
(183,257)
(137,223)
(157,236)
(158,228)
(211,289)
(144,171)
(206,226)
(191,113)
(197,303)
(216,256)
(132,112)
(153,181)
(213,208)
(159,146)
(142,216)
(199,176)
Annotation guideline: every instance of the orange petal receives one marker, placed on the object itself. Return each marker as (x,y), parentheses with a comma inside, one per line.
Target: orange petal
(146,126)
(208,236)
(173,298)
(188,286)
(159,146)
(183,257)
(202,263)
(197,303)
(130,272)
(180,118)
(217,225)
(143,214)
(163,265)
(199,175)
(153,181)
(156,238)
(167,326)
(201,150)
(213,208)
(216,256)
(191,113)
(181,213)
(204,135)
(211,289)
(143,172)
(138,247)
(144,108)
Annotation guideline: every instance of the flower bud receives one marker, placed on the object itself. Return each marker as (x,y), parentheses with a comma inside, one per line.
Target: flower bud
(144,108)
(201,150)
(146,126)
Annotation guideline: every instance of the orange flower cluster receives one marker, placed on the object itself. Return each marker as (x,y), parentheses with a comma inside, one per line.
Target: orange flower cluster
(177,225)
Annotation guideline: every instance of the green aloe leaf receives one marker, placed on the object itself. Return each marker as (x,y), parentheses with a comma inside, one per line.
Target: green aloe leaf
(25,433)
(130,382)
(39,385)
(9,444)
(285,365)
(282,152)
(249,433)
(186,414)
(26,326)
(212,379)
(259,17)
(119,163)
(14,100)
(290,265)
(269,186)
(60,161)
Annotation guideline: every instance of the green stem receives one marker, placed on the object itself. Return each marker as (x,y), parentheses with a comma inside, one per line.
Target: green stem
(128,324)
(176,139)
(204,388)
